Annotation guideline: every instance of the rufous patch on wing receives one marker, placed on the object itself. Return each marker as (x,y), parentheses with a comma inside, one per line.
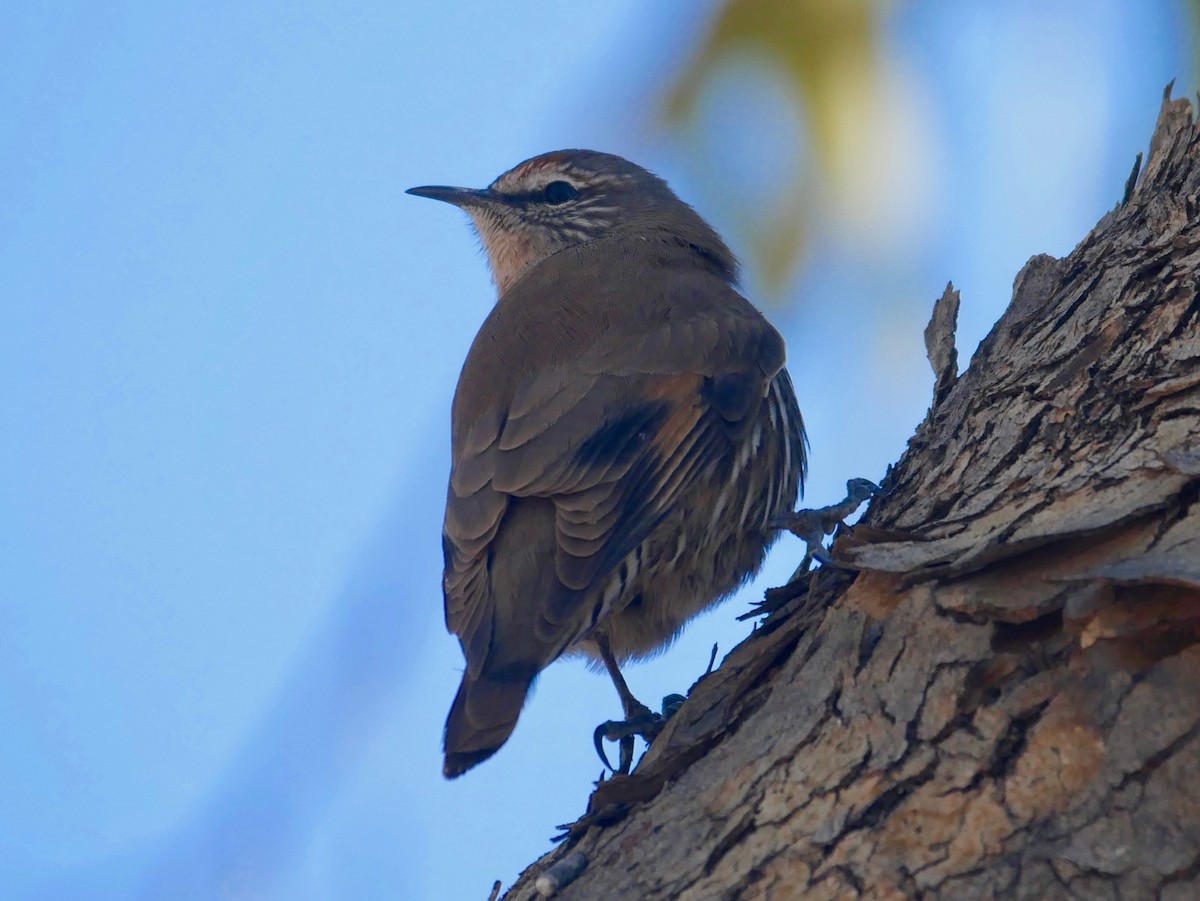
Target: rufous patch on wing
(683,391)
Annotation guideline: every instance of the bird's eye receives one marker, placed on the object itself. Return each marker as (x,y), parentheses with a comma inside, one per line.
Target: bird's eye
(560,192)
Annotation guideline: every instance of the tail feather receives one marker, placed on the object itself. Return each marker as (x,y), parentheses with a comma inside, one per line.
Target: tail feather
(483,716)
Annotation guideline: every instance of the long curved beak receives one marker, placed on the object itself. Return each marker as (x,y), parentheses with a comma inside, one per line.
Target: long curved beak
(460,197)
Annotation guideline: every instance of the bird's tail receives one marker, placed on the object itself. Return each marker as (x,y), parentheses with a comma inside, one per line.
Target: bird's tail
(483,716)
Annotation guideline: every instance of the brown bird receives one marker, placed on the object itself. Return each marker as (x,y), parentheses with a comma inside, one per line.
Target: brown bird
(623,434)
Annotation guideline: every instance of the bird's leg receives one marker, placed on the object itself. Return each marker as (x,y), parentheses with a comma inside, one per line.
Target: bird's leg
(631,705)
(811,526)
(639,719)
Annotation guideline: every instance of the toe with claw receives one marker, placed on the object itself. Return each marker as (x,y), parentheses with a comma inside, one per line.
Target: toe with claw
(811,526)
(641,722)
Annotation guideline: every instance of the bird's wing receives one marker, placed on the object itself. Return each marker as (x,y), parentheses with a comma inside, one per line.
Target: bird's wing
(613,437)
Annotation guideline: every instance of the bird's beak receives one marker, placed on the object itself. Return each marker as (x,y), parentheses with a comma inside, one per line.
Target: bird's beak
(460,197)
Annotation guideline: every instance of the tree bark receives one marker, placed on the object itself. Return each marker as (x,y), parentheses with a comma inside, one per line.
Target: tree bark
(1004,700)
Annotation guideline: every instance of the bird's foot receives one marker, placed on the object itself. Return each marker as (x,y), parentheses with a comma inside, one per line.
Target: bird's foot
(811,526)
(640,721)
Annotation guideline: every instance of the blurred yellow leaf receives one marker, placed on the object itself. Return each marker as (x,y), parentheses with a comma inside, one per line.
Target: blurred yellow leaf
(827,51)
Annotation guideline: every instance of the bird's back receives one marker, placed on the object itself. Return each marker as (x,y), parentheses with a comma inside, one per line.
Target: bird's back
(575,306)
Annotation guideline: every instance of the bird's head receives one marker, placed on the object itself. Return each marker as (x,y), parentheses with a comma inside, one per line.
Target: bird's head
(570,197)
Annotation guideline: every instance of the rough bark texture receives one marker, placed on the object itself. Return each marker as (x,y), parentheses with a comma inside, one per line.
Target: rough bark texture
(1005,700)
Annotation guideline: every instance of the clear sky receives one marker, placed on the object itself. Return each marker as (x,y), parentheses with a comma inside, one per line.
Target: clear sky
(228,342)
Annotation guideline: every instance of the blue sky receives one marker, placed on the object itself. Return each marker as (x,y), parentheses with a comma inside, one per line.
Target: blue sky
(229,343)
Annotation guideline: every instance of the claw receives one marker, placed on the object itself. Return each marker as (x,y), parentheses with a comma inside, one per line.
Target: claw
(622,732)
(603,731)
(598,741)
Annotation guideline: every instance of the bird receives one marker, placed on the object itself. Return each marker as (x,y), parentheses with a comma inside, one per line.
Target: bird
(624,435)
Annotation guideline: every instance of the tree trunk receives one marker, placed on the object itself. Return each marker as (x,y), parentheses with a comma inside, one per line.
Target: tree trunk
(1004,701)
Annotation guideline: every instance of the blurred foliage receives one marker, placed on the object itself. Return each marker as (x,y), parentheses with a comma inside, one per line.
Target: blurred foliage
(828,54)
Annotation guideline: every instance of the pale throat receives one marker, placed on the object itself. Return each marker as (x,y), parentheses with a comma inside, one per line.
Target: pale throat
(509,253)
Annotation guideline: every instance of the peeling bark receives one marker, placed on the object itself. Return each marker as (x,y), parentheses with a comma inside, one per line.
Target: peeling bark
(1004,701)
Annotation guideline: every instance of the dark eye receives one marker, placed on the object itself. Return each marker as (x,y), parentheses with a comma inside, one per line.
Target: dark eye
(560,192)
